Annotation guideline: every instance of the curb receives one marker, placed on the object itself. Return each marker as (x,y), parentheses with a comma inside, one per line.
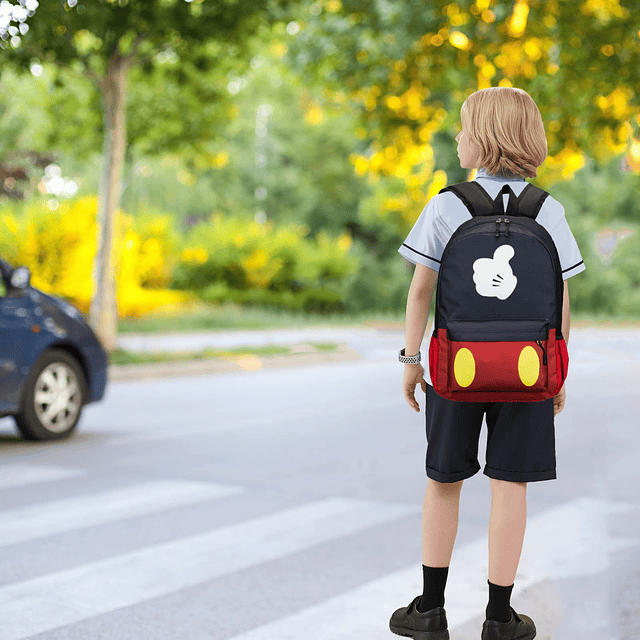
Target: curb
(238,364)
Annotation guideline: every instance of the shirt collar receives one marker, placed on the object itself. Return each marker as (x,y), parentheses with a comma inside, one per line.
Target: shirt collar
(483,173)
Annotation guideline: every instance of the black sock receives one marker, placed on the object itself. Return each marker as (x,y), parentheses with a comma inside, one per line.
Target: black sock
(499,607)
(434,582)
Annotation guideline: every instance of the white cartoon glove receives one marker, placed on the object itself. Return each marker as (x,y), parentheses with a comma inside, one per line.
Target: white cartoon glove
(493,276)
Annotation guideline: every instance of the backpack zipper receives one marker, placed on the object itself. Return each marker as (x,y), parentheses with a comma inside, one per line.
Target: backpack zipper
(544,353)
(498,221)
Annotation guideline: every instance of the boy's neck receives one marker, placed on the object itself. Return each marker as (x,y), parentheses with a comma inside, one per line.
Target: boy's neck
(483,173)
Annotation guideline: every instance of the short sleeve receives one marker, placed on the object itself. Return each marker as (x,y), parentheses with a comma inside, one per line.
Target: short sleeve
(570,258)
(425,242)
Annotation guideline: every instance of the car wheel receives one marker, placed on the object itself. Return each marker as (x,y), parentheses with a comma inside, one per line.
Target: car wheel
(54,394)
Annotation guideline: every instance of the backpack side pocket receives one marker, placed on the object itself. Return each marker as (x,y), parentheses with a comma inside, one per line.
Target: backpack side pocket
(433,362)
(562,363)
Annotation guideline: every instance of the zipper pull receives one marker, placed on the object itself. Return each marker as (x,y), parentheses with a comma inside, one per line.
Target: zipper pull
(507,223)
(498,221)
(544,353)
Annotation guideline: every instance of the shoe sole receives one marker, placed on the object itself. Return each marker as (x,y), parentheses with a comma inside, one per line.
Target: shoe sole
(421,635)
(529,636)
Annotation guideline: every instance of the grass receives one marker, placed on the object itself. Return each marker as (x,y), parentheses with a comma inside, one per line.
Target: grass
(121,356)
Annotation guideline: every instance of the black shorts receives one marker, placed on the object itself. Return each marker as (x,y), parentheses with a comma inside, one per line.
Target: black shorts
(521,443)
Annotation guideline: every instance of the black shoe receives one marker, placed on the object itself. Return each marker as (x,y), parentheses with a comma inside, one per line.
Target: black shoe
(409,622)
(519,627)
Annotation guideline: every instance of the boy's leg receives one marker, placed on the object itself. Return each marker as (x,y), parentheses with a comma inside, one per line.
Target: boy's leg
(439,529)
(520,449)
(506,535)
(506,529)
(440,522)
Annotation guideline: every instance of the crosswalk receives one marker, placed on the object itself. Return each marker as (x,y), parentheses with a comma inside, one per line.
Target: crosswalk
(47,602)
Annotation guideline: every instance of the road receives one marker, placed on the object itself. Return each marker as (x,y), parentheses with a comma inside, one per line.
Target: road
(285,504)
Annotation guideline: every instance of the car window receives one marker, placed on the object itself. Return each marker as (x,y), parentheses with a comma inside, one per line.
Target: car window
(3,287)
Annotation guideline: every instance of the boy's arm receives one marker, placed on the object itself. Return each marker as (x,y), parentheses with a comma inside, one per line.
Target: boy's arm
(418,304)
(566,314)
(560,398)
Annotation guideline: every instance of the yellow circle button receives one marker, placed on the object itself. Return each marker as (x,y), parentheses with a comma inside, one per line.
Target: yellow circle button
(464,367)
(528,365)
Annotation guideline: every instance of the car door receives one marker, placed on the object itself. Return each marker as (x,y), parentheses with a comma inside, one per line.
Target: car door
(16,338)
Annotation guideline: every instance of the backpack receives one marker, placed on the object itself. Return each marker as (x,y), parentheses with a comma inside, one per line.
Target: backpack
(498,317)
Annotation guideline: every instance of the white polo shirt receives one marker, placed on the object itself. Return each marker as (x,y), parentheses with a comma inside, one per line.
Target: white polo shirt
(445,212)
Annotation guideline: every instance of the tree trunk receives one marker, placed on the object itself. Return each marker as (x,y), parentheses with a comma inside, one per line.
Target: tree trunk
(103,315)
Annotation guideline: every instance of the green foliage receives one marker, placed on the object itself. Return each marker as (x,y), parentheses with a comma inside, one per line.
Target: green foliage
(599,197)
(308,176)
(181,102)
(378,284)
(601,190)
(626,262)
(95,32)
(38,115)
(598,288)
(176,53)
(232,259)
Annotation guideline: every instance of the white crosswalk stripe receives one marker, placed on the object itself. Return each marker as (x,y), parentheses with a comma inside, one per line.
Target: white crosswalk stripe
(72,595)
(19,475)
(57,516)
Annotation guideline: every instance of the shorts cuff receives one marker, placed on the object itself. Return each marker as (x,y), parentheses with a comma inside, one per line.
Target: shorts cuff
(453,477)
(517,476)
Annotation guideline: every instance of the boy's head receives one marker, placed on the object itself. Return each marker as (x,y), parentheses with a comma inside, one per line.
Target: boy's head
(504,132)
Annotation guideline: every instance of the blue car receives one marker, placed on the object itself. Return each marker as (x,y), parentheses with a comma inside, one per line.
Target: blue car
(51,361)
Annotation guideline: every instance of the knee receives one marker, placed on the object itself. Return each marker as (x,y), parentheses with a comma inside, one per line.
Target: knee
(507,486)
(446,486)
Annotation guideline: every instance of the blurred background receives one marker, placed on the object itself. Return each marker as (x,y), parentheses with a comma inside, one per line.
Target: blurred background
(258,164)
(231,180)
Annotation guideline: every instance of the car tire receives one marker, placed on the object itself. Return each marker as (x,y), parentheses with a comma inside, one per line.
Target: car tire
(56,377)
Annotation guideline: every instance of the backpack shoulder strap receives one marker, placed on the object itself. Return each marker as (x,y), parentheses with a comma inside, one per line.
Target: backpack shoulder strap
(530,201)
(474,197)
(479,203)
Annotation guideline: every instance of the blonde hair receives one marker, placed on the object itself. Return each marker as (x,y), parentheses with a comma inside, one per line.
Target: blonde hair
(504,123)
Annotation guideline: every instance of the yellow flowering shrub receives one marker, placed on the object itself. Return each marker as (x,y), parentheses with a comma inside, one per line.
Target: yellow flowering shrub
(223,258)
(59,247)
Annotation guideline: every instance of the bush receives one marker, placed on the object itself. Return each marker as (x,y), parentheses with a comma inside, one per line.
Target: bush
(59,247)
(378,284)
(228,258)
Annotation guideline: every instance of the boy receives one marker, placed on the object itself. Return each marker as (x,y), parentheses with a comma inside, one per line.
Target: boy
(503,134)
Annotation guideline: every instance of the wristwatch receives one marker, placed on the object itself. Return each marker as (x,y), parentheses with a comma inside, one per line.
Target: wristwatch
(408,359)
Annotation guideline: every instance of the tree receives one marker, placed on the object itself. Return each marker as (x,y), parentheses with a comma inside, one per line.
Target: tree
(104,40)
(407,67)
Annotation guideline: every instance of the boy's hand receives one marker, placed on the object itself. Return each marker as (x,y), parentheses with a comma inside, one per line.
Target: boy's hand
(558,401)
(413,375)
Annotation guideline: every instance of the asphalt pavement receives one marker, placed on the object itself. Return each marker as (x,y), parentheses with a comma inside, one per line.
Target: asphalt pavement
(283,501)
(594,350)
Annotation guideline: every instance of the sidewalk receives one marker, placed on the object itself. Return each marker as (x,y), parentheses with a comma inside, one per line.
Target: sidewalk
(375,341)
(354,343)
